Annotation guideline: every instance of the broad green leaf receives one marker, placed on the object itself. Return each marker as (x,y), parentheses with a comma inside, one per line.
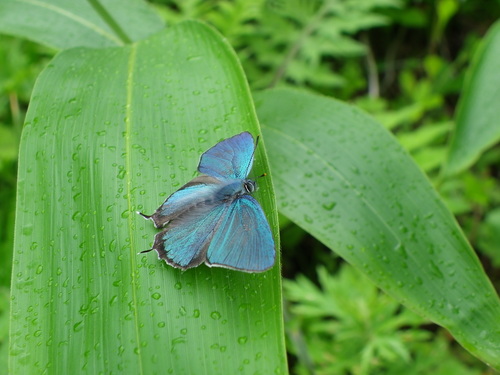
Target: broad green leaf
(65,24)
(478,110)
(347,181)
(110,132)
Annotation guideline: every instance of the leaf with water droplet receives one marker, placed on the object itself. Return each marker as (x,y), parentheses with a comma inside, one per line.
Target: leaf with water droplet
(76,236)
(318,148)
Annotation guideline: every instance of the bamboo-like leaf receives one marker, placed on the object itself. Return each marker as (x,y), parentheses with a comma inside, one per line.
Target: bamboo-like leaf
(346,180)
(65,24)
(478,110)
(110,132)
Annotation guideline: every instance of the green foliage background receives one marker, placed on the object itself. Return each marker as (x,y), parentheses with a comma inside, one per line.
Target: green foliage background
(426,70)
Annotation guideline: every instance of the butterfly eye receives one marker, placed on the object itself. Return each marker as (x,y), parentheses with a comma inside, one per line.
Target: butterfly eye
(250,186)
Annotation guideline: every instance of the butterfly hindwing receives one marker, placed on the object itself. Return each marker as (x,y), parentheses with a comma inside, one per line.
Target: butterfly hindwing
(230,158)
(243,239)
(183,243)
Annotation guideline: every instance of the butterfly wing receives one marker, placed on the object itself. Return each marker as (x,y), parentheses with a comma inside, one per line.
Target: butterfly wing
(184,242)
(194,193)
(230,158)
(243,239)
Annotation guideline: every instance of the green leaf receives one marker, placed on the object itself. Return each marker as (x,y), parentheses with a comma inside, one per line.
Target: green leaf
(65,24)
(110,132)
(346,180)
(489,236)
(478,110)
(8,145)
(4,325)
(423,136)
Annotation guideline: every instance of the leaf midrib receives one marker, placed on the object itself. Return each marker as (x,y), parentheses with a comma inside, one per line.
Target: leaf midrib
(128,160)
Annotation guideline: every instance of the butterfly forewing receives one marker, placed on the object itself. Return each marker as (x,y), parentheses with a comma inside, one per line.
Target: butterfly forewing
(230,158)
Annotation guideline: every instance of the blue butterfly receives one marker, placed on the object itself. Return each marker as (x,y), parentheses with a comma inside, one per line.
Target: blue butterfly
(213,218)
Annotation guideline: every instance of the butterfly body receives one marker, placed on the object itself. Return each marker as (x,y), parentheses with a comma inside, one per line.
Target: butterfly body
(213,218)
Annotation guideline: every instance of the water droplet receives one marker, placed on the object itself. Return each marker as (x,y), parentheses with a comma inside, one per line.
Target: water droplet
(77,327)
(156,296)
(329,206)
(121,174)
(401,250)
(28,229)
(435,270)
(215,315)
(177,341)
(113,300)
(242,340)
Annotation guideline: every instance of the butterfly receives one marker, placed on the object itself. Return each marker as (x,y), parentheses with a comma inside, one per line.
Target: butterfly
(213,219)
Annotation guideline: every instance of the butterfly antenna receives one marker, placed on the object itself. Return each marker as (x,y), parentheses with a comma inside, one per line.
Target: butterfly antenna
(145,251)
(255,149)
